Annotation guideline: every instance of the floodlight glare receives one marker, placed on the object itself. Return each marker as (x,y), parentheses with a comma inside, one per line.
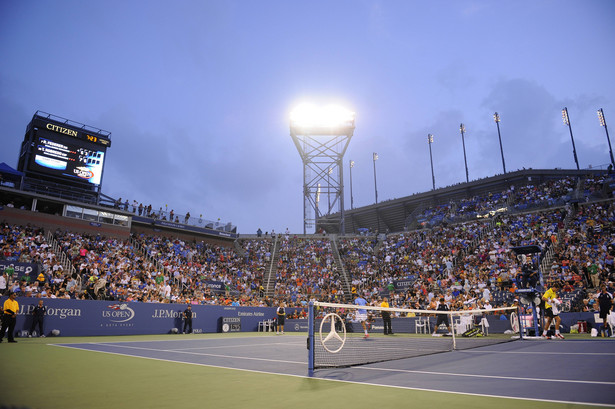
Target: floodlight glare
(329,116)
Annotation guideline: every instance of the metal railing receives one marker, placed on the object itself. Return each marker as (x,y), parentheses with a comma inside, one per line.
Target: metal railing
(341,266)
(271,272)
(61,255)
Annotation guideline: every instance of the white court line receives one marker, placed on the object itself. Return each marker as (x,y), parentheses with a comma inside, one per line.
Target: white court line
(180,339)
(239,346)
(409,371)
(475,351)
(482,395)
(465,375)
(201,354)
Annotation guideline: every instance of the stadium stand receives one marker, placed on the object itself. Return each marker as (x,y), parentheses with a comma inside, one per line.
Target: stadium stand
(460,250)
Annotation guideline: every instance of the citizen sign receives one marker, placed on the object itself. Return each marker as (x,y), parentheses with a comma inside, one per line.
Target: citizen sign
(119,313)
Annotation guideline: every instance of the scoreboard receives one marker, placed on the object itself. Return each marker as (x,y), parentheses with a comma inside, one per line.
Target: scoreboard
(72,159)
(66,150)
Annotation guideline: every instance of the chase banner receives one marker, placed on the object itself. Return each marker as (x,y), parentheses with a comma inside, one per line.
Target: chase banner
(20,269)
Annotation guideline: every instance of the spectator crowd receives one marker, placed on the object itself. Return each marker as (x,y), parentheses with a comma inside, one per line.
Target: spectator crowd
(471,263)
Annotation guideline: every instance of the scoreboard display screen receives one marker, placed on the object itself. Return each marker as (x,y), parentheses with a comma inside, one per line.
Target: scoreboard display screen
(67,157)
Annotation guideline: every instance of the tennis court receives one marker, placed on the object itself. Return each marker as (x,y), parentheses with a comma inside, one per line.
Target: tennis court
(572,371)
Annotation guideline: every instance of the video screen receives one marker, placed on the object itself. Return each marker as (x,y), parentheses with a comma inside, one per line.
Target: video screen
(70,158)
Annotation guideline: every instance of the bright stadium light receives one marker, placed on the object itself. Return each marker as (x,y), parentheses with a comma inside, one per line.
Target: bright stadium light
(311,116)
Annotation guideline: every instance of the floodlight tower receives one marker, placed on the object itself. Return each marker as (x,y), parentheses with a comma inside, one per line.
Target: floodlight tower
(496,118)
(603,123)
(433,178)
(566,119)
(462,129)
(321,136)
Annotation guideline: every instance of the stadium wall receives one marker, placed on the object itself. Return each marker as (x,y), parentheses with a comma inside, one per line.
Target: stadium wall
(51,222)
(95,318)
(156,230)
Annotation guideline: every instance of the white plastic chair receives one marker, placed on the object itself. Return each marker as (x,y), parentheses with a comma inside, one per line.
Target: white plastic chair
(421,325)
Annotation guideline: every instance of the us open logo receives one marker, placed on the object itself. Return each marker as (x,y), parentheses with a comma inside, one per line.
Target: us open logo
(83,172)
(119,313)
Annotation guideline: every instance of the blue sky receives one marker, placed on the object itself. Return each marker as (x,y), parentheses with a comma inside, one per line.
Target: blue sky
(197,94)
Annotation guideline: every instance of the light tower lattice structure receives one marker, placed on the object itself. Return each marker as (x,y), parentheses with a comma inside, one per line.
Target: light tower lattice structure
(321,136)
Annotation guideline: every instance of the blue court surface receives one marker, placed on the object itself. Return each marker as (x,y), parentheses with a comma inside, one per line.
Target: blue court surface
(566,371)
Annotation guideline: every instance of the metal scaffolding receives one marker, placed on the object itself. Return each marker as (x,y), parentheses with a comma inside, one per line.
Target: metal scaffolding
(322,150)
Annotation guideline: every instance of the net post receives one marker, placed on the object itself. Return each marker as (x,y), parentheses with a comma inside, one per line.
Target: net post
(519,322)
(310,340)
(452,321)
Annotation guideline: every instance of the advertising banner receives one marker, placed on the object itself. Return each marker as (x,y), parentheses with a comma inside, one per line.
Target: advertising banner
(88,317)
(403,285)
(20,269)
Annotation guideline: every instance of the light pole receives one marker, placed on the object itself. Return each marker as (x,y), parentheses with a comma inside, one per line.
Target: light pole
(566,119)
(462,129)
(351,199)
(317,204)
(375,157)
(329,187)
(433,178)
(603,123)
(496,118)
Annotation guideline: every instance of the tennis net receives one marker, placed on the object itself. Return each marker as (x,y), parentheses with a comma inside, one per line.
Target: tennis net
(336,336)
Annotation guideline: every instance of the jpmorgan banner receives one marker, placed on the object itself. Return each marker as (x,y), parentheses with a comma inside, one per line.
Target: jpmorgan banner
(85,318)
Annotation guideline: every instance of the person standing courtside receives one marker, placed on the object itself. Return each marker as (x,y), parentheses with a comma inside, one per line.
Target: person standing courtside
(9,317)
(605,302)
(187,314)
(552,303)
(38,318)
(386,317)
(442,318)
(281,315)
